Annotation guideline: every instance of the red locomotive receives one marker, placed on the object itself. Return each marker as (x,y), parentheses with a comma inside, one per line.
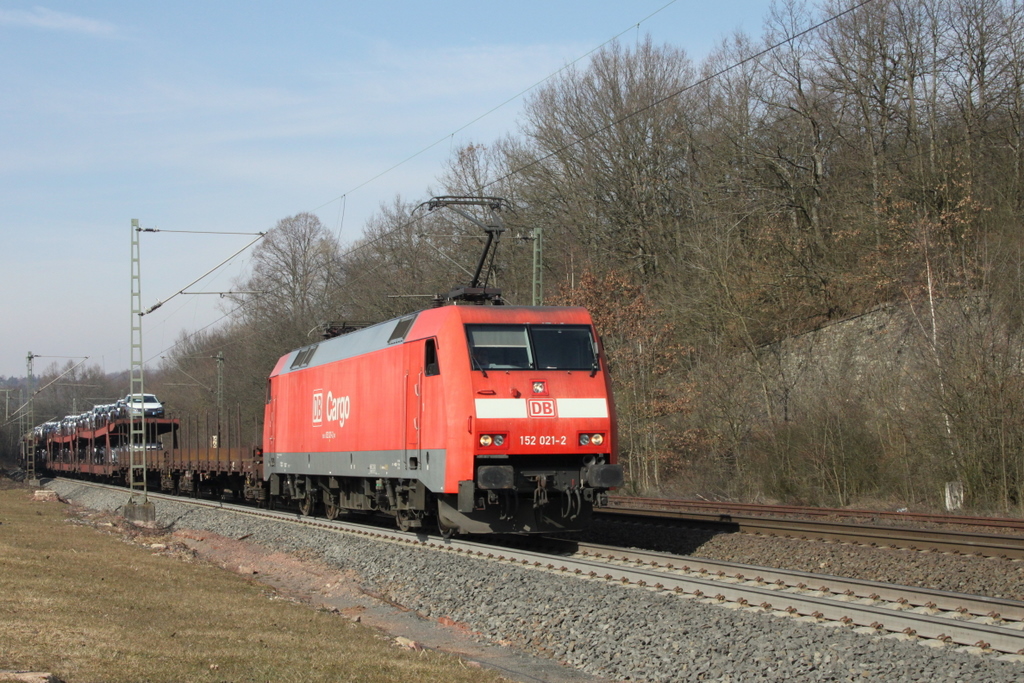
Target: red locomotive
(491,418)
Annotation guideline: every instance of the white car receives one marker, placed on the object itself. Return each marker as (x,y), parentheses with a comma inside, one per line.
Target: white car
(144,404)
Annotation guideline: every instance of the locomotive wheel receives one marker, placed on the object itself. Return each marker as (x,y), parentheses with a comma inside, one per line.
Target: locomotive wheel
(332,510)
(404,519)
(446,531)
(306,505)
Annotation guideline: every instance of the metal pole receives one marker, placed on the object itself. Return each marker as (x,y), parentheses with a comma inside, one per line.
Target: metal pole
(138,507)
(220,392)
(28,434)
(22,438)
(538,266)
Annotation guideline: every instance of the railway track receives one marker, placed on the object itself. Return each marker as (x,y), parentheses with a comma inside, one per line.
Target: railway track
(935,617)
(627,502)
(944,540)
(943,616)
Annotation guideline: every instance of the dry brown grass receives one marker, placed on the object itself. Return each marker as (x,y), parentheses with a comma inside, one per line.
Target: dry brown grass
(88,606)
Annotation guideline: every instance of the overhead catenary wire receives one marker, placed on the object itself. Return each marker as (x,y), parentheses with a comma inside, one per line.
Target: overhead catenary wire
(202,232)
(513,98)
(45,386)
(676,93)
(523,168)
(160,303)
(621,119)
(365,243)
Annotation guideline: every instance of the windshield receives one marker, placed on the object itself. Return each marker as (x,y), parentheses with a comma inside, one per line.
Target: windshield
(504,347)
(531,347)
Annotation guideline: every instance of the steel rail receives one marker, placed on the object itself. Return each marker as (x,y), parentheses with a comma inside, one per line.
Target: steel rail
(753,594)
(871,612)
(908,596)
(675,504)
(991,545)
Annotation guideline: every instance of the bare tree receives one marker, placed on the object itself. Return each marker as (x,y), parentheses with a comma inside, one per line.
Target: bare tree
(294,272)
(610,146)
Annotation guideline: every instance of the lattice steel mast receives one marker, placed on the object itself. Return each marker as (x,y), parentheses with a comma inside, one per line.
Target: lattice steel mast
(138,507)
(28,431)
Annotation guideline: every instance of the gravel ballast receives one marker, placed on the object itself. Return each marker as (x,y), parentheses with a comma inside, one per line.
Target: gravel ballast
(611,631)
(992,576)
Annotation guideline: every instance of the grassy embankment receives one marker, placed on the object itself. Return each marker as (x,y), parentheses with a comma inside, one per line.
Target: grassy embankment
(87,606)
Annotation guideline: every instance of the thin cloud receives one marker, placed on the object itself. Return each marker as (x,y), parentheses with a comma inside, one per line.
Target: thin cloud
(50,20)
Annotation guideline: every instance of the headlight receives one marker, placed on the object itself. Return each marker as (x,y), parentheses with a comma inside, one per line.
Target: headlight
(539,387)
(584,439)
(597,439)
(499,440)
(485,440)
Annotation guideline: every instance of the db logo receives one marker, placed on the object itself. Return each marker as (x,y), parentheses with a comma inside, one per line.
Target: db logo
(541,407)
(318,407)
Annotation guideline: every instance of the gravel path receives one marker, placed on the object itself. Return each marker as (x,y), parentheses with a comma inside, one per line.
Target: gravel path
(611,631)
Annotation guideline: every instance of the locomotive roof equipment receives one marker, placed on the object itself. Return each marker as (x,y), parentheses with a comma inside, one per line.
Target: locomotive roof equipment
(475,291)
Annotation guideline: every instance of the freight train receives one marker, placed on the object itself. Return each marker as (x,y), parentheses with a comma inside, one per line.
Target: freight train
(476,418)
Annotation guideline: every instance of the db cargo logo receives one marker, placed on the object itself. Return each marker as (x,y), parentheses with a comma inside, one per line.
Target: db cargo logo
(338,408)
(541,407)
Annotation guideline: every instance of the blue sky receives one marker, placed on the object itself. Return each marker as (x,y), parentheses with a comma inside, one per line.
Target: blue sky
(229,116)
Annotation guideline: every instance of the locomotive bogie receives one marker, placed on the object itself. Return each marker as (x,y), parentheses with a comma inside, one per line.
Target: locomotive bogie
(352,493)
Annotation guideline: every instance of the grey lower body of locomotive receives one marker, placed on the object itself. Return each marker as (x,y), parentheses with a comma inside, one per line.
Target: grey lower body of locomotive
(510,495)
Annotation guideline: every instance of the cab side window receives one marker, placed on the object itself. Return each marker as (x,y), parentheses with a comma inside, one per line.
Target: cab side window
(430,363)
